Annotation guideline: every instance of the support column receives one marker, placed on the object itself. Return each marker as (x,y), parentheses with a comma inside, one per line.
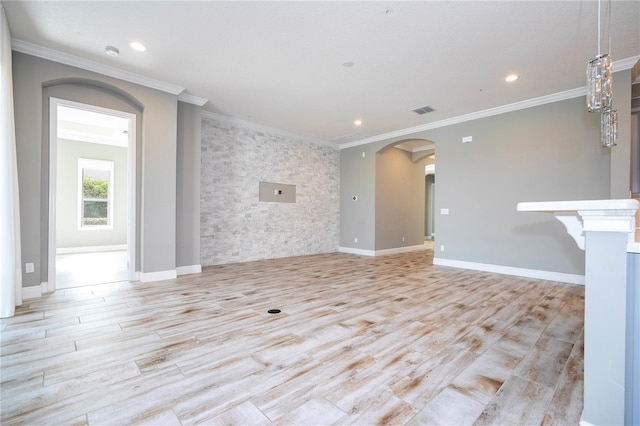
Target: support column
(604,229)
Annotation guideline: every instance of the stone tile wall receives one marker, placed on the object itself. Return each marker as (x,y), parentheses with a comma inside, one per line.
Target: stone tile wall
(234,225)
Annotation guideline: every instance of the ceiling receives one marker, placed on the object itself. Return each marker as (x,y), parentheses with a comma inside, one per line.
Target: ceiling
(90,126)
(282,64)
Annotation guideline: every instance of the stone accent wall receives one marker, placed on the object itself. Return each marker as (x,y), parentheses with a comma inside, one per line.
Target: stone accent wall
(234,225)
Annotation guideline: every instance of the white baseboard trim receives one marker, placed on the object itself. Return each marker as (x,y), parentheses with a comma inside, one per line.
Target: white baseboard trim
(186,270)
(46,287)
(400,250)
(396,250)
(583,422)
(352,250)
(32,292)
(90,249)
(147,277)
(509,270)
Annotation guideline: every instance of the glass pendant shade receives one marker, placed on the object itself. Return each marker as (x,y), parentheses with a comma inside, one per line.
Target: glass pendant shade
(599,83)
(609,127)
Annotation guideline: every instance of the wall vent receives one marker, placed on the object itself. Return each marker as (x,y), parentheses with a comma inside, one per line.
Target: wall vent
(423,110)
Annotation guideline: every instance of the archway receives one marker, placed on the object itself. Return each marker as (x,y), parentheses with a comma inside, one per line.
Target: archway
(401,194)
(97,98)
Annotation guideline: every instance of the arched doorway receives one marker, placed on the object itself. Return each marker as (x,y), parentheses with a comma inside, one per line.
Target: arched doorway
(78,133)
(402,212)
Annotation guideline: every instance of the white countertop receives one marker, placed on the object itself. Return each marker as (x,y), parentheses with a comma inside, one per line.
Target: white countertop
(580,205)
(591,215)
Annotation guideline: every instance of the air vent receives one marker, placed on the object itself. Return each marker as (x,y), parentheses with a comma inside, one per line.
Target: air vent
(423,110)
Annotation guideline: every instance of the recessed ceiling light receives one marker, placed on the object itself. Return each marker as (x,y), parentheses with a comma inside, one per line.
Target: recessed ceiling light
(511,78)
(111,51)
(358,122)
(137,46)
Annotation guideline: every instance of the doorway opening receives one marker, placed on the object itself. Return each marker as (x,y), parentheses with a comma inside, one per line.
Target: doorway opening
(404,199)
(91,195)
(430,197)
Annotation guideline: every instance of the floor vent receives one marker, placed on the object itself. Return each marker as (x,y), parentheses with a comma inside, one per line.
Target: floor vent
(423,110)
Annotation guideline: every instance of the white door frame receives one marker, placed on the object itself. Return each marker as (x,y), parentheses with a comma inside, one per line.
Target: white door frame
(131,185)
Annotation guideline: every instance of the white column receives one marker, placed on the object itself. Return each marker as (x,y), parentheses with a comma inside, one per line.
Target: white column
(604,229)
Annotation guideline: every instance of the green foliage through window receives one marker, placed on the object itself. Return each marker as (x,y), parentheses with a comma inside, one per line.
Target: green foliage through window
(95,194)
(95,188)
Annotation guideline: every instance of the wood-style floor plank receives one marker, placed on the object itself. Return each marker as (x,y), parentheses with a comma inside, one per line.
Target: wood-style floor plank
(359,340)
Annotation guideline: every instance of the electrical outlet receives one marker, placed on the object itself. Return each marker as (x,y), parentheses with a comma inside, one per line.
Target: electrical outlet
(403,239)
(444,211)
(29,267)
(355,240)
(441,247)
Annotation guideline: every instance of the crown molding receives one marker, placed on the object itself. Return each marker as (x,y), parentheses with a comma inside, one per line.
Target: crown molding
(620,65)
(86,64)
(191,99)
(262,128)
(625,64)
(529,103)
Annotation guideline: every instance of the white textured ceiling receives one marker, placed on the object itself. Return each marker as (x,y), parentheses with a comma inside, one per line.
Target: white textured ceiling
(280,64)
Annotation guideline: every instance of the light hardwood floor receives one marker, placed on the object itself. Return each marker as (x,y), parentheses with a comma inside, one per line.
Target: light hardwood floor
(386,340)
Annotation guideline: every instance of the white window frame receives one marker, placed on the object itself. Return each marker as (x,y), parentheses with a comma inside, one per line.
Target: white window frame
(104,165)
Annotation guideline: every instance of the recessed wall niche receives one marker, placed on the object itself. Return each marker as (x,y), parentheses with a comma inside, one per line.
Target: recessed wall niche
(277,192)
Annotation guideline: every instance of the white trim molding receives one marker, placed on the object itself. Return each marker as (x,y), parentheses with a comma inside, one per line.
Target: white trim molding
(186,270)
(509,270)
(361,252)
(397,250)
(86,64)
(620,65)
(148,277)
(33,292)
(583,422)
(373,253)
(191,99)
(47,287)
(529,103)
(90,249)
(625,64)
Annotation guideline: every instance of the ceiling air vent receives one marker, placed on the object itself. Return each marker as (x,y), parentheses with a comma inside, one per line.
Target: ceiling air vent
(423,110)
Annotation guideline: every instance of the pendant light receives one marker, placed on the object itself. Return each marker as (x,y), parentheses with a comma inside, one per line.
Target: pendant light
(609,127)
(599,86)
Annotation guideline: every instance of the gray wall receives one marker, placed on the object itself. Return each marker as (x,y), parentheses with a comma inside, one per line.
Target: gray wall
(235,226)
(621,155)
(358,179)
(188,185)
(67,232)
(399,200)
(157,155)
(550,152)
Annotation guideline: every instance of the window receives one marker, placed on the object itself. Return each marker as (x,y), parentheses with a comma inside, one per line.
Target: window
(95,194)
